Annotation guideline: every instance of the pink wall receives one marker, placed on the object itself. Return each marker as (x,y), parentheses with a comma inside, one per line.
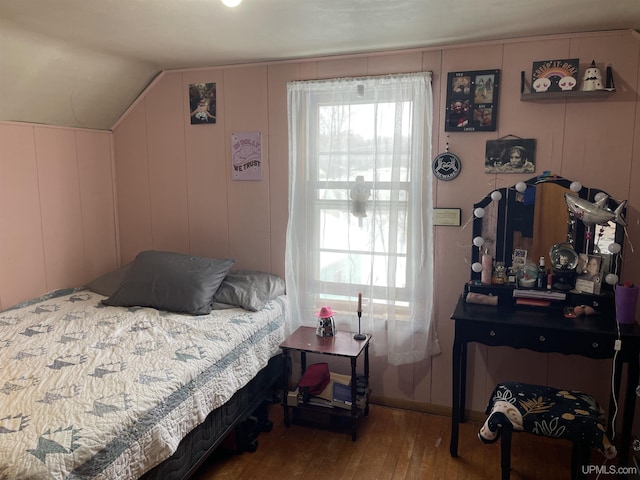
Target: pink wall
(174,189)
(57,215)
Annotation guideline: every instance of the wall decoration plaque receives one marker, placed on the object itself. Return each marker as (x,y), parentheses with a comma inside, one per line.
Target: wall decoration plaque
(555,75)
(446,166)
(246,156)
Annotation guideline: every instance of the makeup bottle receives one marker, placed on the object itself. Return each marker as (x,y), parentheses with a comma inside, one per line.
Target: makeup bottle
(542,275)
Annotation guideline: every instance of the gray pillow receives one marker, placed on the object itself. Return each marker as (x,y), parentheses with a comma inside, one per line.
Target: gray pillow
(171,281)
(249,289)
(108,283)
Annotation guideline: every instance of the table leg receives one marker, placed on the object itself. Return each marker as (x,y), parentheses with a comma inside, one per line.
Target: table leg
(629,410)
(457,394)
(354,403)
(366,377)
(285,386)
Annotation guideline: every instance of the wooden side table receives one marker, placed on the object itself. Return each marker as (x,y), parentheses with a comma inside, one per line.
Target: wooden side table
(305,340)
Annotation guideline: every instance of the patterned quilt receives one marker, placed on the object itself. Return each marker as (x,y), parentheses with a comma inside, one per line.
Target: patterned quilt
(90,391)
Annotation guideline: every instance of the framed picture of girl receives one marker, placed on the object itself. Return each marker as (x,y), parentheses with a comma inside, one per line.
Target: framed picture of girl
(510,156)
(472,101)
(590,273)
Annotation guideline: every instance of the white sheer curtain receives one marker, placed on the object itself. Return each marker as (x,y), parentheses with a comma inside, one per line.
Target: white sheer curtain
(360,205)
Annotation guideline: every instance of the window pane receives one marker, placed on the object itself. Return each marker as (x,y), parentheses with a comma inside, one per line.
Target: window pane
(372,141)
(364,269)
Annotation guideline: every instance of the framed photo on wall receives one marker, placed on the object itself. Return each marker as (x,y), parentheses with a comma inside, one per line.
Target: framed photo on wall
(202,103)
(514,155)
(472,101)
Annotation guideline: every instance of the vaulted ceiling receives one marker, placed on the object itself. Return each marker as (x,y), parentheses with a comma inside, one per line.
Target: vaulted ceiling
(82,62)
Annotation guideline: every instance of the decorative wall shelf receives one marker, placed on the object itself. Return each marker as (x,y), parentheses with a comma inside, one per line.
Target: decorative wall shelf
(528,96)
(547,96)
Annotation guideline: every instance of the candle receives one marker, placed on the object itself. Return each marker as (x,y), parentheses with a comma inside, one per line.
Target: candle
(359,302)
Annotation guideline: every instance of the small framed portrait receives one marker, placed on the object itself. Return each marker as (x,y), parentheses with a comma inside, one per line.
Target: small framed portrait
(472,101)
(519,258)
(202,103)
(590,270)
(510,156)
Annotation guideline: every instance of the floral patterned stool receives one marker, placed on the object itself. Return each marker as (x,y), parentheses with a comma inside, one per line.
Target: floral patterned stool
(550,412)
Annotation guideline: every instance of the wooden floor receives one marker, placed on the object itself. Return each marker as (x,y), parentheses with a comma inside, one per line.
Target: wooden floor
(391,444)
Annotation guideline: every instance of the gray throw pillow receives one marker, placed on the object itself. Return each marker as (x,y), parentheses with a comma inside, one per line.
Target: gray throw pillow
(249,289)
(171,281)
(109,282)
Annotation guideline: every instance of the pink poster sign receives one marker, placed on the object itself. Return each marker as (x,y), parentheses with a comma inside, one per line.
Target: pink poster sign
(246,155)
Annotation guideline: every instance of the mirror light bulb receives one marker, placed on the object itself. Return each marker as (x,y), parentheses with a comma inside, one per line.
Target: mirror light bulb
(615,248)
(479,212)
(611,278)
(521,187)
(599,196)
(496,196)
(476,267)
(575,186)
(478,241)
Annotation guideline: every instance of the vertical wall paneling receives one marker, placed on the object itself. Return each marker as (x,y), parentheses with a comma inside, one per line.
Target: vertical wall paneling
(59,186)
(22,266)
(167,165)
(249,216)
(205,147)
(97,202)
(631,256)
(132,184)
(279,75)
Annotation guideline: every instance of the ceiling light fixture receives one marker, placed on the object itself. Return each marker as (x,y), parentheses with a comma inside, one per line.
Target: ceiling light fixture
(231,3)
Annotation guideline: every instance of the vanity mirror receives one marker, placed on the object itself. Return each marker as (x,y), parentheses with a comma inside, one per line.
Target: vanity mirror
(534,216)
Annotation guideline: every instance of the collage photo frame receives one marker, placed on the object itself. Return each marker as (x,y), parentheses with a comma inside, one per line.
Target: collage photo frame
(472,101)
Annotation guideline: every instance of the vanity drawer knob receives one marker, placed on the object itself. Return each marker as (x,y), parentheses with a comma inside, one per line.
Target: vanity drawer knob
(492,333)
(542,339)
(594,344)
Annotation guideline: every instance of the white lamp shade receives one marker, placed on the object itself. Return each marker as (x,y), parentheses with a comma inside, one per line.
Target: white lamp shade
(231,3)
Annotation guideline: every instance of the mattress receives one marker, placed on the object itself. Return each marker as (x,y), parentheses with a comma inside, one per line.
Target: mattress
(91,391)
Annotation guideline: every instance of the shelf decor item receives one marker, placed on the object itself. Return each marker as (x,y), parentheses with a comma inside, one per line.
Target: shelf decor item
(592,79)
(326,324)
(359,335)
(555,75)
(472,101)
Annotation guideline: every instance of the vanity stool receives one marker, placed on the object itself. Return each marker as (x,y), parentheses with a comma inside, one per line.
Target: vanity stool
(549,412)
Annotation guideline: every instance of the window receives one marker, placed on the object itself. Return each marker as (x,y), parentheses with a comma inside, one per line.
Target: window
(358,194)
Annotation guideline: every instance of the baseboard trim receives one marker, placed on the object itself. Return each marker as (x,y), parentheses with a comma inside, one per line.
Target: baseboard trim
(423,407)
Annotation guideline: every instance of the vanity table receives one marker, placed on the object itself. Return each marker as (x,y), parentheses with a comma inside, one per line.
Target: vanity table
(545,330)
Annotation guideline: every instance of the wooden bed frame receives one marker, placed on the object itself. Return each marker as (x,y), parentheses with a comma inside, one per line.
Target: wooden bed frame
(245,413)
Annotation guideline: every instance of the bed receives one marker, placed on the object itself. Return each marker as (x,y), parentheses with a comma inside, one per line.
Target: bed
(94,384)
